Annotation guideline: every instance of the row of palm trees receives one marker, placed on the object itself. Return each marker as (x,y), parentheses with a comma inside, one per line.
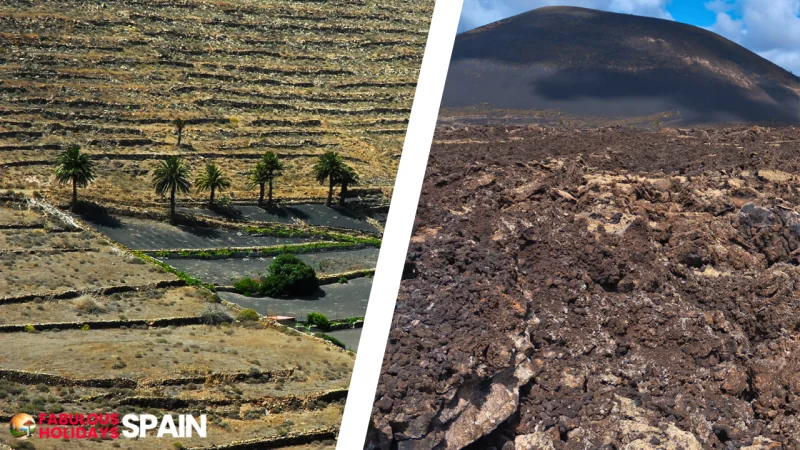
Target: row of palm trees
(173,176)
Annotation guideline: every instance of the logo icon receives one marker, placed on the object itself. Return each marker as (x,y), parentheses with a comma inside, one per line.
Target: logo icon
(22,425)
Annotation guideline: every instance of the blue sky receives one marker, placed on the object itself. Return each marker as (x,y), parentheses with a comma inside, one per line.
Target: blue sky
(770,28)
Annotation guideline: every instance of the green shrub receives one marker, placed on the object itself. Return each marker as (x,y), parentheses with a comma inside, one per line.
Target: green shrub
(247,314)
(342,280)
(331,339)
(247,286)
(289,275)
(319,320)
(85,327)
(29,329)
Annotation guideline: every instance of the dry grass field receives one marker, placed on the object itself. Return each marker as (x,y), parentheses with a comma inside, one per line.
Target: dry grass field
(48,273)
(147,304)
(16,216)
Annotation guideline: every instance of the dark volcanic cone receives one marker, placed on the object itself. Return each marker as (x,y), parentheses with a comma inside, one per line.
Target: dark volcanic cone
(587,62)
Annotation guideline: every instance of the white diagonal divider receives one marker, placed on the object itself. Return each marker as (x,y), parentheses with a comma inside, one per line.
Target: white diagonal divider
(399,224)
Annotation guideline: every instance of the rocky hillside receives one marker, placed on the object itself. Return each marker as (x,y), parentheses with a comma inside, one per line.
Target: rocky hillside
(599,289)
(595,63)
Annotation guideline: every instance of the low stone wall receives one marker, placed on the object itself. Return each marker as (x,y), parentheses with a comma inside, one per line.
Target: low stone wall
(231,377)
(334,278)
(244,252)
(75,293)
(283,403)
(49,251)
(33,378)
(106,324)
(293,439)
(345,326)
(30,226)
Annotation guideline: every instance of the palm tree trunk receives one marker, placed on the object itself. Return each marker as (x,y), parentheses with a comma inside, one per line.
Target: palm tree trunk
(330,193)
(261,195)
(172,205)
(74,195)
(211,199)
(269,202)
(180,135)
(342,194)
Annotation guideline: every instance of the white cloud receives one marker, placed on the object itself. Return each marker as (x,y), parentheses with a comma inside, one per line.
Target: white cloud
(652,8)
(477,13)
(770,28)
(788,59)
(719,6)
(729,27)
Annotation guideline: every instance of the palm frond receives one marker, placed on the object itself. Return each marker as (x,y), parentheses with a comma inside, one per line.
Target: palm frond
(328,165)
(171,173)
(212,178)
(72,165)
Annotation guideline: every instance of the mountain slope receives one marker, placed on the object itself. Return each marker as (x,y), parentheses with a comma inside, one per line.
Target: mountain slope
(582,61)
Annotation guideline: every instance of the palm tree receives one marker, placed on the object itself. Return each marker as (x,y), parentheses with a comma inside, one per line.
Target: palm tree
(212,180)
(72,166)
(265,172)
(180,124)
(326,168)
(172,176)
(347,177)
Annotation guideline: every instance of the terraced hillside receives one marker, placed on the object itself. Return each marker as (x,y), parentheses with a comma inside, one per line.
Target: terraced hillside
(297,78)
(106,331)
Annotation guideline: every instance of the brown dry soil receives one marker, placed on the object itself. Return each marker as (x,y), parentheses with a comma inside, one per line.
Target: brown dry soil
(601,288)
(50,273)
(145,304)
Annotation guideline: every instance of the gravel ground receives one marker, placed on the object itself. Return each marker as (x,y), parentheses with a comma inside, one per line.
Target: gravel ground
(313,214)
(254,213)
(350,337)
(321,215)
(141,234)
(224,271)
(336,301)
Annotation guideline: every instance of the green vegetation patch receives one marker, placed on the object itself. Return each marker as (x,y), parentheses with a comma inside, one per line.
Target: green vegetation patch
(264,251)
(331,339)
(287,276)
(190,280)
(288,231)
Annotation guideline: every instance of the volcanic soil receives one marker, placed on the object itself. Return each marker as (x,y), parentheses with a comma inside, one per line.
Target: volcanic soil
(603,288)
